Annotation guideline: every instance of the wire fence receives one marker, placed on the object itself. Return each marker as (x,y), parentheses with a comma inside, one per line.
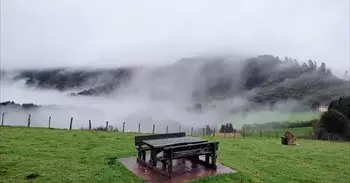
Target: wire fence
(124,127)
(206,130)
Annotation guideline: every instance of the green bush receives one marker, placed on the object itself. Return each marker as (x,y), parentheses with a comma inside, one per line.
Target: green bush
(341,105)
(335,122)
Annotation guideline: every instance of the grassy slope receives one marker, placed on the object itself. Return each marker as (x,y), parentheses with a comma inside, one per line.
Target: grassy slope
(81,156)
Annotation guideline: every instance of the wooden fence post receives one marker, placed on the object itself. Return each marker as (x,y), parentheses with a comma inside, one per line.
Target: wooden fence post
(123,127)
(234,134)
(154,127)
(49,121)
(214,133)
(71,123)
(29,120)
(2,119)
(89,124)
(191,131)
(203,131)
(139,127)
(106,125)
(167,129)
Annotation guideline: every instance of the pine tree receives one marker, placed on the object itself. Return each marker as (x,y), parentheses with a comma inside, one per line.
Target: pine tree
(323,68)
(222,129)
(346,75)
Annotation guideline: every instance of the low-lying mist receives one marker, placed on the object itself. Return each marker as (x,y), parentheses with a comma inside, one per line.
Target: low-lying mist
(129,108)
(164,96)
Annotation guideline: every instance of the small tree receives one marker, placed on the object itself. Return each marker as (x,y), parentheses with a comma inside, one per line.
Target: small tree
(323,68)
(346,75)
(222,129)
(208,130)
(335,122)
(341,105)
(329,72)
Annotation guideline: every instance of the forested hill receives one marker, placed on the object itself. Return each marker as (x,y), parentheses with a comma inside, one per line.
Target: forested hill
(262,79)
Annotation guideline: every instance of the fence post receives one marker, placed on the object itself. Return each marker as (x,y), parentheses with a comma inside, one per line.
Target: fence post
(2,119)
(29,120)
(49,121)
(191,131)
(154,127)
(234,134)
(106,125)
(139,127)
(214,133)
(71,123)
(203,131)
(243,132)
(89,124)
(167,128)
(123,127)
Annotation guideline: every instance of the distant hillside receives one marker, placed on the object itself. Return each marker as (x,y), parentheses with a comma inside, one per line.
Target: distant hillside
(65,78)
(264,79)
(22,106)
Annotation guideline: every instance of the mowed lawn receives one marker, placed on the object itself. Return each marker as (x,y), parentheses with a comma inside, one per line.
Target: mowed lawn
(89,156)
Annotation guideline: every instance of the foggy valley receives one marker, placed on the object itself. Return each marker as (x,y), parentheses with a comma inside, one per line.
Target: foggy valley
(192,92)
(180,63)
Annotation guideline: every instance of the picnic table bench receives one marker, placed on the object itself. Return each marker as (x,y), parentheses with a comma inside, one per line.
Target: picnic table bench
(174,146)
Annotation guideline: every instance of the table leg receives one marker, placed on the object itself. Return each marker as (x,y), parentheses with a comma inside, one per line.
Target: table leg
(214,156)
(164,166)
(143,155)
(170,163)
(153,157)
(139,153)
(207,159)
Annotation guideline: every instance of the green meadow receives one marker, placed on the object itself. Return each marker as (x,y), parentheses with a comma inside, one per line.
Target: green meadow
(55,155)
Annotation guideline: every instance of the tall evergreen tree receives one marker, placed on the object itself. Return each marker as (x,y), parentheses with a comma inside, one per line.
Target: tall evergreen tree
(323,68)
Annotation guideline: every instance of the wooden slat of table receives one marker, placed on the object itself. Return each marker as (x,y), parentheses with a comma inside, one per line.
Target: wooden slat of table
(173,141)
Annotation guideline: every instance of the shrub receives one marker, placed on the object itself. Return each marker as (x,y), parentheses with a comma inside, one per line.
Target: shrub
(341,105)
(335,122)
(228,128)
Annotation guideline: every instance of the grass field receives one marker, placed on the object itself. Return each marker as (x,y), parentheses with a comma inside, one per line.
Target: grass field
(88,156)
(302,132)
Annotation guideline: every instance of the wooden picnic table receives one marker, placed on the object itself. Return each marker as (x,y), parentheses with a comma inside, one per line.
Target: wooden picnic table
(174,146)
(159,144)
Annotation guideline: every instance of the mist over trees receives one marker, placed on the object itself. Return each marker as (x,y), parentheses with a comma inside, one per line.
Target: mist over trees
(264,79)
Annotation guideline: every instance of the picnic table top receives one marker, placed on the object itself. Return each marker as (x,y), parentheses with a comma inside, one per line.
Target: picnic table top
(166,142)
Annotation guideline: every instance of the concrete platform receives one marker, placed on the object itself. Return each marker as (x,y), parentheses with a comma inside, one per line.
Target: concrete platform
(183,171)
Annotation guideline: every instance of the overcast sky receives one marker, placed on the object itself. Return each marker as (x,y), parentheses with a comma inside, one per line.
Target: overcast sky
(121,32)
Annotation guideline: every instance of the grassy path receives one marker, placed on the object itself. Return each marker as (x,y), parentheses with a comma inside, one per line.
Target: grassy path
(87,156)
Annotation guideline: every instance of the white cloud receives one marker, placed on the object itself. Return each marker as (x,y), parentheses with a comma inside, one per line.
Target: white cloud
(40,33)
